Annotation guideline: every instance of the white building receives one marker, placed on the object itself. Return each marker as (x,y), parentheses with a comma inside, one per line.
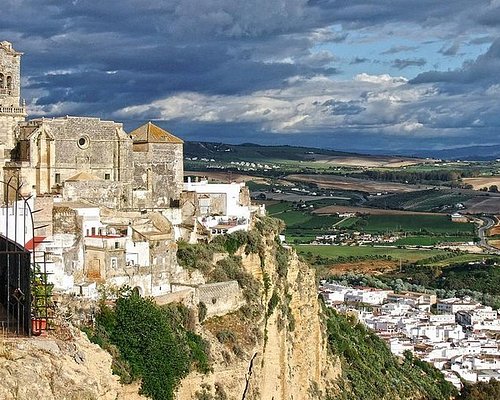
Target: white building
(224,208)
(454,304)
(367,296)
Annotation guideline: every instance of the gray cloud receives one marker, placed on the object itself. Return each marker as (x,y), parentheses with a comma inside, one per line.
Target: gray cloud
(358,60)
(405,63)
(450,50)
(399,49)
(98,58)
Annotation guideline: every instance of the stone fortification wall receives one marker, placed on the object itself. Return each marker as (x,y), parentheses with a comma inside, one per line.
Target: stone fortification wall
(8,124)
(103,193)
(158,168)
(220,298)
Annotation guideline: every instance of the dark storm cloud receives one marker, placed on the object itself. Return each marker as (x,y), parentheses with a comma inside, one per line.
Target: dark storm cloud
(399,49)
(450,50)
(483,71)
(405,63)
(98,57)
(358,60)
(159,47)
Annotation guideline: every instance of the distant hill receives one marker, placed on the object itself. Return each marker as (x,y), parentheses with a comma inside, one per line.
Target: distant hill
(465,153)
(255,152)
(479,153)
(251,151)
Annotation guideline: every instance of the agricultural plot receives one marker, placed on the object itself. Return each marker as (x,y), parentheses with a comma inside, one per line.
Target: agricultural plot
(423,200)
(336,252)
(432,240)
(301,225)
(433,224)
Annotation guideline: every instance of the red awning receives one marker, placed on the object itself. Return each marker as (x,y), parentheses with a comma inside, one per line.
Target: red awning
(34,243)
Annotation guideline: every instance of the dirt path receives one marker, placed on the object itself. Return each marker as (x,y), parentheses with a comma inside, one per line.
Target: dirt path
(366,210)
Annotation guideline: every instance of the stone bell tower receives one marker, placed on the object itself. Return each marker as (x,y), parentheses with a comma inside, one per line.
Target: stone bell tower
(12,109)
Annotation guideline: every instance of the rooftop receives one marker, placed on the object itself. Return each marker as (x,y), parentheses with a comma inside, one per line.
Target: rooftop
(150,133)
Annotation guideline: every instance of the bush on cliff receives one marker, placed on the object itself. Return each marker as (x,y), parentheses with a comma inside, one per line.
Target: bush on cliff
(153,343)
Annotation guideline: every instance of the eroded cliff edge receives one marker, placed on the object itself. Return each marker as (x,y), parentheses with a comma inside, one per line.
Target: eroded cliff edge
(280,353)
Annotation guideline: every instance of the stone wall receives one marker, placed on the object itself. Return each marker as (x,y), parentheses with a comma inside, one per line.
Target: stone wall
(103,193)
(43,216)
(66,220)
(220,298)
(159,169)
(8,124)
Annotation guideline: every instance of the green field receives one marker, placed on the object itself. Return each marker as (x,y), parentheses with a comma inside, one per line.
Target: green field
(302,226)
(436,224)
(461,258)
(424,200)
(408,255)
(431,240)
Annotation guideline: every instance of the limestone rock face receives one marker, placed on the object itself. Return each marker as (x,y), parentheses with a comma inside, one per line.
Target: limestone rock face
(289,359)
(54,369)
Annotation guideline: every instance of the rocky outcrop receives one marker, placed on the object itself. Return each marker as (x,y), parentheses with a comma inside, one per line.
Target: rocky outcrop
(288,357)
(54,369)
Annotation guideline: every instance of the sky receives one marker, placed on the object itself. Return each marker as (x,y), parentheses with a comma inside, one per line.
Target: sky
(353,75)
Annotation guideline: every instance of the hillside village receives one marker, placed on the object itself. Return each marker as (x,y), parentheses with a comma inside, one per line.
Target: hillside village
(459,336)
(108,206)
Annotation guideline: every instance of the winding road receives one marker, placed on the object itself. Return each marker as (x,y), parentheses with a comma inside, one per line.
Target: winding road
(488,222)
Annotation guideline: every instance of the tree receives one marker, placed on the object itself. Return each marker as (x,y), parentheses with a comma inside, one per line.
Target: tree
(481,391)
(493,189)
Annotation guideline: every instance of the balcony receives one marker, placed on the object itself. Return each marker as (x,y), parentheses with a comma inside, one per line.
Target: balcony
(12,110)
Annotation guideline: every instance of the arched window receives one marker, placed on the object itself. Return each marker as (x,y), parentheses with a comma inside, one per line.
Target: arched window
(9,82)
(2,81)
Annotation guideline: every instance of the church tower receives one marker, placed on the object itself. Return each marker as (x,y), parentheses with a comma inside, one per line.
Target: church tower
(12,109)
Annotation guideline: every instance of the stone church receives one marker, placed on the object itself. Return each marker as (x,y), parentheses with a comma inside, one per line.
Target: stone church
(82,157)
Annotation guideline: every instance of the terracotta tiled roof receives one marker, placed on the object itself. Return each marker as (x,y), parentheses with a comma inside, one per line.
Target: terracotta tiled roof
(150,133)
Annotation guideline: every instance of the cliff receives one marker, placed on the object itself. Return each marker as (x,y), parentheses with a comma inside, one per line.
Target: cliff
(278,345)
(55,368)
(280,353)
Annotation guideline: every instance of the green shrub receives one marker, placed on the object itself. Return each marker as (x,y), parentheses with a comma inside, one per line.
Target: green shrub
(151,343)
(282,260)
(202,311)
(273,302)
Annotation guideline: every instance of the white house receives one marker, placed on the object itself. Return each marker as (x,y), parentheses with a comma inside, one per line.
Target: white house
(454,304)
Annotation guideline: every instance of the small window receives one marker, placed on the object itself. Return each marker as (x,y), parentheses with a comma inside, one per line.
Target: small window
(117,245)
(107,177)
(83,142)
(58,178)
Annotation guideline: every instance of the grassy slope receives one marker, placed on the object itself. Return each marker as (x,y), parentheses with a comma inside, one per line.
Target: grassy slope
(370,371)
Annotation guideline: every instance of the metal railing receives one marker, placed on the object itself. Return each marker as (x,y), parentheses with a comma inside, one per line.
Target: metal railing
(12,110)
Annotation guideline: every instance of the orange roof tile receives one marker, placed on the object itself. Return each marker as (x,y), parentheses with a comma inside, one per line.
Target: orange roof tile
(150,133)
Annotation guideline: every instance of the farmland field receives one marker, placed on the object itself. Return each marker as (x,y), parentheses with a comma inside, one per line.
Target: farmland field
(436,224)
(301,225)
(409,255)
(423,200)
(431,240)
